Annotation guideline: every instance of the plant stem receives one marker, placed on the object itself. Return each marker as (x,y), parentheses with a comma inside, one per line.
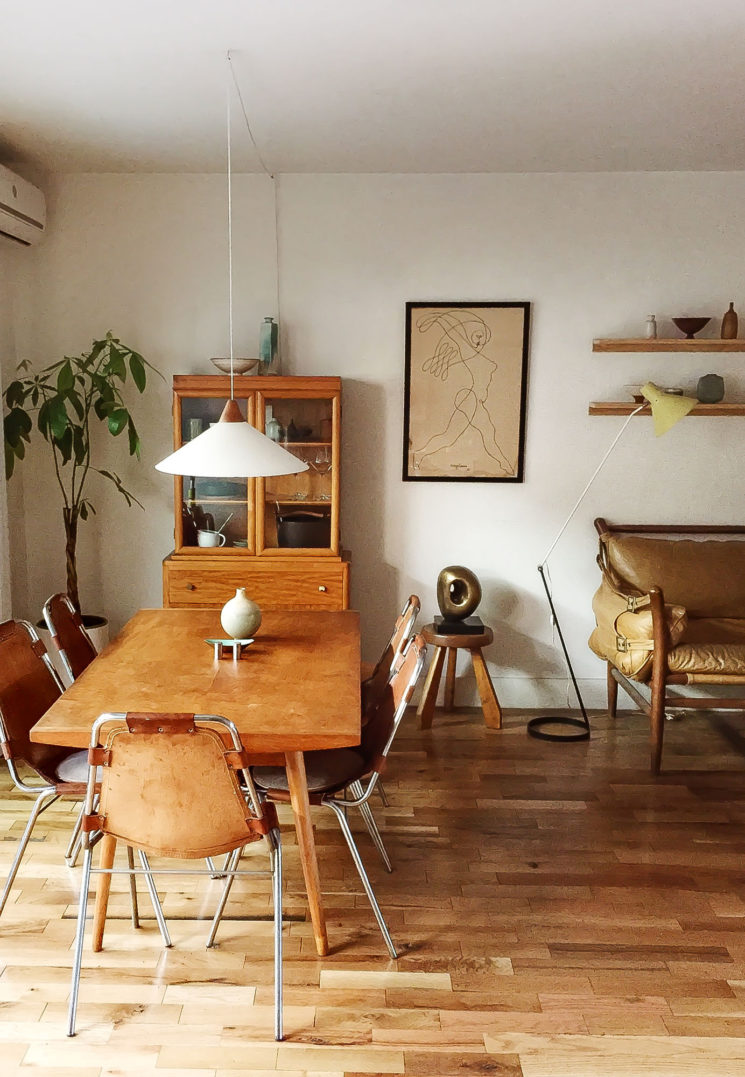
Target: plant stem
(70,516)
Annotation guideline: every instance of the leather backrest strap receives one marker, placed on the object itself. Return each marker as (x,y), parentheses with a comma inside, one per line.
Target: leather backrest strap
(160,723)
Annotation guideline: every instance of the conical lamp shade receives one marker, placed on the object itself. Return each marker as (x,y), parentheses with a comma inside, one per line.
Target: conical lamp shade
(231,449)
(667,408)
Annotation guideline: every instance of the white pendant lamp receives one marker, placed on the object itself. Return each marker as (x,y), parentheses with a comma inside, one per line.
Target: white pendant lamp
(231,448)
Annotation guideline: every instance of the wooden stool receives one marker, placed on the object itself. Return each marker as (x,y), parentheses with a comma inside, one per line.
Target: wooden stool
(450,645)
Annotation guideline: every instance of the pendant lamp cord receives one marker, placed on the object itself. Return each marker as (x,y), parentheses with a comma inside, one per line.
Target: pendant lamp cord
(230,237)
(274,178)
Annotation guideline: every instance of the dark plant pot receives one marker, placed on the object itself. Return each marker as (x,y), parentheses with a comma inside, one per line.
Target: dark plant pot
(296,529)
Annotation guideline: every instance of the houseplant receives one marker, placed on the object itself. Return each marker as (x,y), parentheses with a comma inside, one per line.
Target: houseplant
(64,401)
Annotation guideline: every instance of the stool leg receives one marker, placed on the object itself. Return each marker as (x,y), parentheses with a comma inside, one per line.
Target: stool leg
(489,702)
(426,708)
(450,679)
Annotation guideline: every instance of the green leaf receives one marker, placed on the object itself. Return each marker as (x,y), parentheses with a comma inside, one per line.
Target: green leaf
(116,365)
(128,497)
(83,511)
(64,444)
(134,439)
(74,397)
(42,419)
(65,378)
(137,367)
(16,426)
(102,386)
(79,444)
(93,354)
(15,394)
(118,420)
(58,417)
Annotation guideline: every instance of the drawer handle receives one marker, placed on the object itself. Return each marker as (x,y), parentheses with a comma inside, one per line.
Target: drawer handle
(191,587)
(322,587)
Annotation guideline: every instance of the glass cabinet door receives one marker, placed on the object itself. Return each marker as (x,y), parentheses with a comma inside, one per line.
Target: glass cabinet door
(216,513)
(300,512)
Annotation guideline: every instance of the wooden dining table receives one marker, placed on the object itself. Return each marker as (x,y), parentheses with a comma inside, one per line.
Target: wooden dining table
(296,688)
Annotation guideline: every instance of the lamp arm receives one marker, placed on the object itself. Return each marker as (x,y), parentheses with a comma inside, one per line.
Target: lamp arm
(589,483)
(581,725)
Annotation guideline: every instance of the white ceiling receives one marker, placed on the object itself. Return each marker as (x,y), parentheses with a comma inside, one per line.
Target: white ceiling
(374,85)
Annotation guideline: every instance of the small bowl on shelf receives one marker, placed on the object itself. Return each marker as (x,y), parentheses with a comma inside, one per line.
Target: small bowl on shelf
(240,366)
(690,326)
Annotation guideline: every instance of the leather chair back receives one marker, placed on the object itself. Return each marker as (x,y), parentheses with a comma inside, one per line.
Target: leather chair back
(169,786)
(28,687)
(384,716)
(68,634)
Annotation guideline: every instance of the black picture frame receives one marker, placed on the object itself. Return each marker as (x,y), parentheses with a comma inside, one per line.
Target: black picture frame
(465,391)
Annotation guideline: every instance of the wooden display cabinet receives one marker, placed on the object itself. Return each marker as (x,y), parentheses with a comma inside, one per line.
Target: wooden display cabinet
(281,533)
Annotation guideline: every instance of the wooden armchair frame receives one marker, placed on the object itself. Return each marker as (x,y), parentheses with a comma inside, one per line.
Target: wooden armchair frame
(661,678)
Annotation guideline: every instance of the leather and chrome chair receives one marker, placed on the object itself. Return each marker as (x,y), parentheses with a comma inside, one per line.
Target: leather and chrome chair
(374,678)
(75,647)
(29,685)
(155,769)
(344,778)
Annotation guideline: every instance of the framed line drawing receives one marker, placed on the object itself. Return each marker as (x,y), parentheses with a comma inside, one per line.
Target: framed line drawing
(465,391)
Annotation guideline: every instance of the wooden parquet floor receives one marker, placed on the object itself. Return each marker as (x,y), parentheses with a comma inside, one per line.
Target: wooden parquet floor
(561,914)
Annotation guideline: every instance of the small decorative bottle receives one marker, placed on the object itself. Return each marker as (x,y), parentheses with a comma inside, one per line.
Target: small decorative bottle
(650,330)
(240,616)
(268,343)
(272,426)
(729,323)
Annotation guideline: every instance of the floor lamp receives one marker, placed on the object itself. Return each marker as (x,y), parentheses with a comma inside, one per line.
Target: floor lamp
(667,409)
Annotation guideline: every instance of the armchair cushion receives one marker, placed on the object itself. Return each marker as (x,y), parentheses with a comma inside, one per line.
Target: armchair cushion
(624,636)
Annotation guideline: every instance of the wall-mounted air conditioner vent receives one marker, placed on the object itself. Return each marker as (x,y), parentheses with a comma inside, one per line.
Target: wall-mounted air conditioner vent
(22,209)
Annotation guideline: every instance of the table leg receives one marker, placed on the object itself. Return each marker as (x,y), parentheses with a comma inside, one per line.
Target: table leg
(103,885)
(426,708)
(489,702)
(298,786)
(449,701)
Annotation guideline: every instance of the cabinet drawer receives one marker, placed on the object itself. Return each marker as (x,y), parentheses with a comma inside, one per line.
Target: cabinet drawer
(275,587)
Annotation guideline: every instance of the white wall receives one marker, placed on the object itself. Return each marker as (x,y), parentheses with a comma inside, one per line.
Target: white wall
(594,253)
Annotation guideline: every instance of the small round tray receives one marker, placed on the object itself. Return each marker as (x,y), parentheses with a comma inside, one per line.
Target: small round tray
(237,646)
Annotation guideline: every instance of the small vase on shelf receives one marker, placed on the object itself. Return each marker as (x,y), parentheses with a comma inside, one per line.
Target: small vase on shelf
(650,329)
(268,346)
(729,323)
(240,616)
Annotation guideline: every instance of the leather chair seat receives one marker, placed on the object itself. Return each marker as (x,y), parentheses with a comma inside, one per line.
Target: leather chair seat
(74,768)
(327,770)
(725,660)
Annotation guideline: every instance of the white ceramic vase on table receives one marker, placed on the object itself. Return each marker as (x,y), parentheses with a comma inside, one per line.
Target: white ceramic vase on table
(240,616)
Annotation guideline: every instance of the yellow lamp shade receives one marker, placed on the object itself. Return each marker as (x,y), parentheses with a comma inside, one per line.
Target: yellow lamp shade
(667,408)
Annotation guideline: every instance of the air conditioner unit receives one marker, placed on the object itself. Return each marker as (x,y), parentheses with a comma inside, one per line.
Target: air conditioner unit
(22,209)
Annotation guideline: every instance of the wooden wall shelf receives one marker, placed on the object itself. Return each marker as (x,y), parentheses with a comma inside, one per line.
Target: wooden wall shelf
(631,344)
(623,407)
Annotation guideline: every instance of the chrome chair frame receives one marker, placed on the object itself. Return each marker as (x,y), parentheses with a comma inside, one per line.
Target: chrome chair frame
(361,795)
(403,629)
(54,633)
(229,871)
(363,788)
(45,794)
